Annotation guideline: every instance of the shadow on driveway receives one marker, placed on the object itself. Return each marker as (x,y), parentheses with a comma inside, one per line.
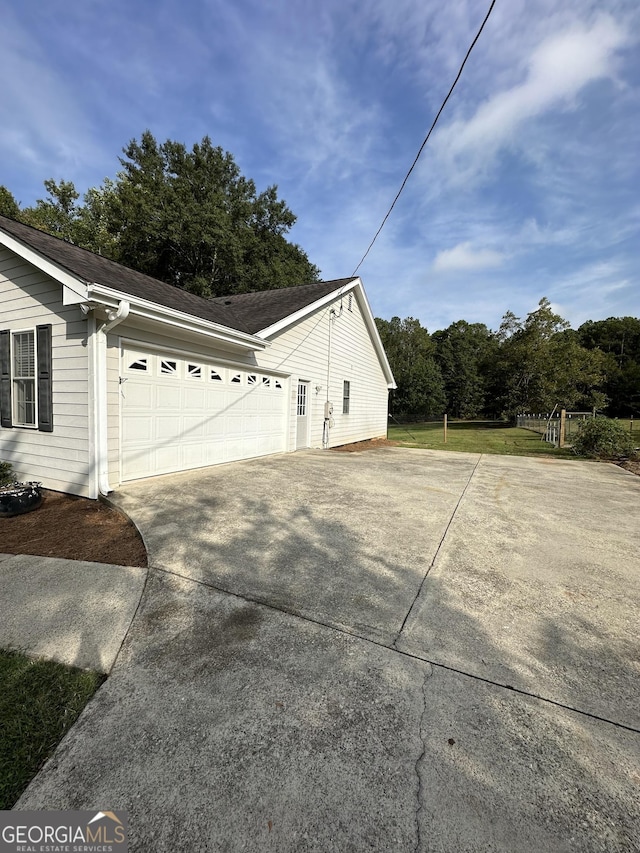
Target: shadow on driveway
(231,725)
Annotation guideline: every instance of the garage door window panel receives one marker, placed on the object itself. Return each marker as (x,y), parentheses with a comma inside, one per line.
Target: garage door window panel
(139,365)
(168,367)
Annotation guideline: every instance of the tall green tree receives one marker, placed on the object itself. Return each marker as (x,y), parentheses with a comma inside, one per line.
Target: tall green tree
(462,350)
(8,205)
(56,214)
(541,364)
(420,391)
(191,218)
(185,216)
(619,339)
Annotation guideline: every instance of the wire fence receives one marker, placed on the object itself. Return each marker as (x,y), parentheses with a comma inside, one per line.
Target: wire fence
(551,427)
(548,425)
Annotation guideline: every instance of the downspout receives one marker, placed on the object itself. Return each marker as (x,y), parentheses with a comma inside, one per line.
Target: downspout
(101,395)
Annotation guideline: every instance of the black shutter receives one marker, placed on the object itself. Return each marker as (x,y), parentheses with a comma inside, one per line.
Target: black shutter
(5,378)
(45,398)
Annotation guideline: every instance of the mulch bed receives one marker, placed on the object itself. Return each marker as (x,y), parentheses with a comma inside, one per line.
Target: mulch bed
(76,529)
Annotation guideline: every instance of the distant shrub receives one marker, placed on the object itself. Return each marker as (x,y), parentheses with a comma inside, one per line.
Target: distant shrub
(602,438)
(6,473)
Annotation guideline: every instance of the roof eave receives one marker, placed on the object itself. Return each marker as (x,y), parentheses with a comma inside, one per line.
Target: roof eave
(110,298)
(375,337)
(354,285)
(75,288)
(301,313)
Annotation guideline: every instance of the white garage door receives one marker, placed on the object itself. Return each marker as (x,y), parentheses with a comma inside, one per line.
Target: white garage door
(180,412)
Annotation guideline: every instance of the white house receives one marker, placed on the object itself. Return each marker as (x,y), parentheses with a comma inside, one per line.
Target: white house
(108,375)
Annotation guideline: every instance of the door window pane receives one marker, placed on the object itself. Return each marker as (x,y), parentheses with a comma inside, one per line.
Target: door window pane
(302,399)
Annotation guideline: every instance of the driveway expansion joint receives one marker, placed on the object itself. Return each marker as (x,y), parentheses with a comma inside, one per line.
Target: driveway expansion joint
(393,648)
(133,619)
(437,551)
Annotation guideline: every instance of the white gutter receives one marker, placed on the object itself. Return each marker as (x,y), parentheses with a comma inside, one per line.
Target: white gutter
(177,319)
(100,394)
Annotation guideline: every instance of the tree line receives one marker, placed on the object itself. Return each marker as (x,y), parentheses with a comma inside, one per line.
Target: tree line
(527,365)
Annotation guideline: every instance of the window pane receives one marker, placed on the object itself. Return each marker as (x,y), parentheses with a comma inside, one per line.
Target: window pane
(346,393)
(167,367)
(24,356)
(25,401)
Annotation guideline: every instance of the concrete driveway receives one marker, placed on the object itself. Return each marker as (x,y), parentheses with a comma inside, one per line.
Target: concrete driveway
(392,650)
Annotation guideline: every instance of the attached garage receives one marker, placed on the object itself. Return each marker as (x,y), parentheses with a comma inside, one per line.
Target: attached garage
(130,377)
(181,411)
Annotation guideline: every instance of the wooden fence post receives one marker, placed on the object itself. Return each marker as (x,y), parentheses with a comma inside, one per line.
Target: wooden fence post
(563,425)
(445,428)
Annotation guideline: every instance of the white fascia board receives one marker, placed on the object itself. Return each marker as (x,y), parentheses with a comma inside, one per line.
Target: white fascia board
(375,336)
(178,319)
(75,288)
(290,319)
(356,286)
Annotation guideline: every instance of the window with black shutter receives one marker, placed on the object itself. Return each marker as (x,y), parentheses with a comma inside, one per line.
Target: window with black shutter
(25,378)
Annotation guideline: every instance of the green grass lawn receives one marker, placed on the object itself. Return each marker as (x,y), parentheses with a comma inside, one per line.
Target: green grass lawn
(476,437)
(39,701)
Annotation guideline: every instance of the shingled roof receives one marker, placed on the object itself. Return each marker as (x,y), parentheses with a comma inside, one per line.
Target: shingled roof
(260,310)
(245,312)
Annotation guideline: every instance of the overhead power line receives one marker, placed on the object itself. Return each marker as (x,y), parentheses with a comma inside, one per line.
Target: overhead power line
(426,139)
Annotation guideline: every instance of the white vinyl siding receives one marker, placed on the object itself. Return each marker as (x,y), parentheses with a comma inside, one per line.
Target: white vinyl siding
(58,459)
(303,350)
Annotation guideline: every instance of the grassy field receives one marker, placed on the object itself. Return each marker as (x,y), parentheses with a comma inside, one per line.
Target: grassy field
(39,701)
(476,437)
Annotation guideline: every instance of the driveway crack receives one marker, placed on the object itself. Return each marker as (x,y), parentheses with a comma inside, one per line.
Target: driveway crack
(419,793)
(435,556)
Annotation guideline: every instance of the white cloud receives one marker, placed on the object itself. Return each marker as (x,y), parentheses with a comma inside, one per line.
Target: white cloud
(558,70)
(465,257)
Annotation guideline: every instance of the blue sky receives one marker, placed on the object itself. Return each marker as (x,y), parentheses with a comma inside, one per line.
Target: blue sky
(529,187)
